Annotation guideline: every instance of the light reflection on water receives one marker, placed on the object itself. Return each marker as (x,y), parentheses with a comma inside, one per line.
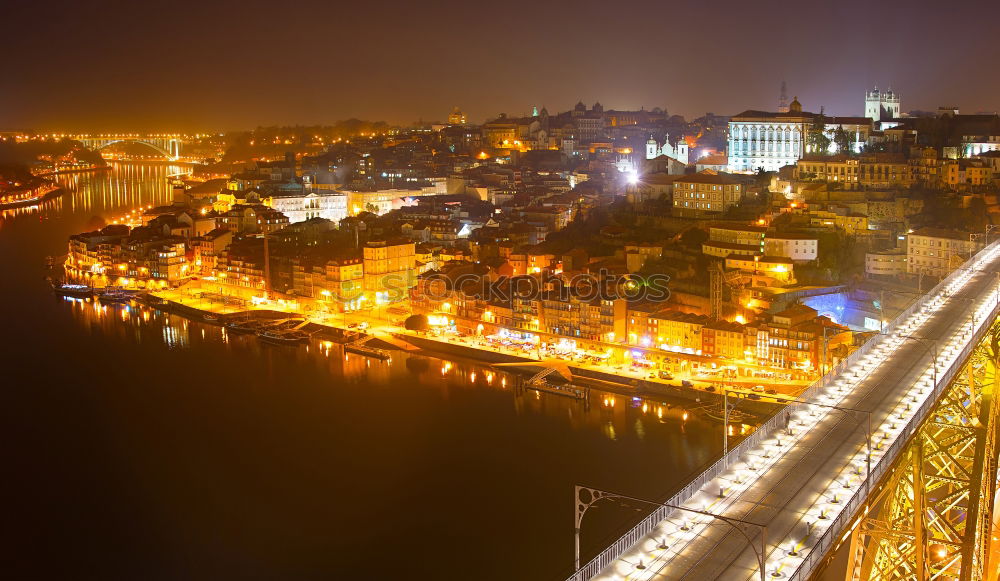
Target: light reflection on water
(123,187)
(612,412)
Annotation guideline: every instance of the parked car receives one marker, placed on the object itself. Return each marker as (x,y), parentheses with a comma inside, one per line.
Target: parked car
(758,388)
(665,375)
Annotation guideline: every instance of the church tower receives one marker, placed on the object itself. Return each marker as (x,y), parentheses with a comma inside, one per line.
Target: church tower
(881,106)
(652,148)
(683,152)
(873,105)
(890,105)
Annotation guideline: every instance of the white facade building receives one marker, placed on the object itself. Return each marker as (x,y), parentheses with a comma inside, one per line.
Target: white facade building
(858,130)
(798,248)
(381,201)
(768,140)
(881,106)
(300,207)
(760,139)
(886,263)
(680,153)
(973,145)
(936,252)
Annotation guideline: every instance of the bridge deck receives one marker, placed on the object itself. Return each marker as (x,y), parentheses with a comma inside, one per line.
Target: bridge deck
(798,482)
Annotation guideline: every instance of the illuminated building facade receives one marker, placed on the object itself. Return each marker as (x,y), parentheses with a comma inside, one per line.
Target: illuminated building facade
(936,251)
(389,270)
(778,269)
(798,248)
(456,117)
(881,106)
(654,149)
(705,194)
(759,139)
(302,206)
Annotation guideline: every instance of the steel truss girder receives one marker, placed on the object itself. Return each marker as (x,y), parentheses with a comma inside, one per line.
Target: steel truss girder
(931,519)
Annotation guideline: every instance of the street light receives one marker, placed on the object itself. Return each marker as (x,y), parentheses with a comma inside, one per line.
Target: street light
(933,347)
(852,411)
(989,228)
(740,525)
(725,420)
(970,300)
(868,435)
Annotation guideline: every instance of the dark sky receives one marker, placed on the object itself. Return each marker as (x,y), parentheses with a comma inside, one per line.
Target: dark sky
(184,66)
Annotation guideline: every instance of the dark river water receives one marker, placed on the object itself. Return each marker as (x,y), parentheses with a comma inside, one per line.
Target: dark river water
(140,445)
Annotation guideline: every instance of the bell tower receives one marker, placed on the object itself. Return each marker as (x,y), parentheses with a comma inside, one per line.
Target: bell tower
(683,151)
(652,148)
(873,105)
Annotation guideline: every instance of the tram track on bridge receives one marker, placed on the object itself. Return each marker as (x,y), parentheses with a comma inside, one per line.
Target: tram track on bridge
(875,393)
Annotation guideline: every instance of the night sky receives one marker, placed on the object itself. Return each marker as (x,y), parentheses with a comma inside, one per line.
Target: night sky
(189,66)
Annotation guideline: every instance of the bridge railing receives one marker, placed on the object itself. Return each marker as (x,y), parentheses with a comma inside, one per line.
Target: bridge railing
(830,537)
(766,431)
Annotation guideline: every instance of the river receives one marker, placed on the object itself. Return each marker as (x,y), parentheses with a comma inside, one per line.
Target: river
(140,445)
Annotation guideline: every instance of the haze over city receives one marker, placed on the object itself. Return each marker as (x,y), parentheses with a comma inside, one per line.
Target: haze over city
(212,66)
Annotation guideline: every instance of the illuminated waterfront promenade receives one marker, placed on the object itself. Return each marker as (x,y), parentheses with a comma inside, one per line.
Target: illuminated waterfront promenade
(800,480)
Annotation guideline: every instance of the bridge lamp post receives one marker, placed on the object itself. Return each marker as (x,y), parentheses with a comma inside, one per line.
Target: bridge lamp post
(725,410)
(933,347)
(881,304)
(971,301)
(740,525)
(868,433)
(851,411)
(725,420)
(989,228)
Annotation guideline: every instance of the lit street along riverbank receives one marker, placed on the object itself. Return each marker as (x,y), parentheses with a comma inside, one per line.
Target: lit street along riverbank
(140,441)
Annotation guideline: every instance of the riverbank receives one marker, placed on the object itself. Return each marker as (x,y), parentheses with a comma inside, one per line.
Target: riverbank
(60,172)
(154,161)
(592,377)
(697,391)
(51,192)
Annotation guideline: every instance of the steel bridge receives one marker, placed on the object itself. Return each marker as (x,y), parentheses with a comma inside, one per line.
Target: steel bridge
(167,145)
(889,459)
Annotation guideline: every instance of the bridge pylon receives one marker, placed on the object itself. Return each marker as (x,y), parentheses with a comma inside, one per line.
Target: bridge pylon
(930,517)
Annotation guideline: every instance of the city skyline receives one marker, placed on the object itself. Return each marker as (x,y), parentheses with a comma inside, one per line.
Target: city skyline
(218,69)
(289,282)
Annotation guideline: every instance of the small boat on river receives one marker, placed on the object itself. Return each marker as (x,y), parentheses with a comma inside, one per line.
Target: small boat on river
(117,295)
(291,337)
(367,351)
(247,326)
(77,291)
(563,389)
